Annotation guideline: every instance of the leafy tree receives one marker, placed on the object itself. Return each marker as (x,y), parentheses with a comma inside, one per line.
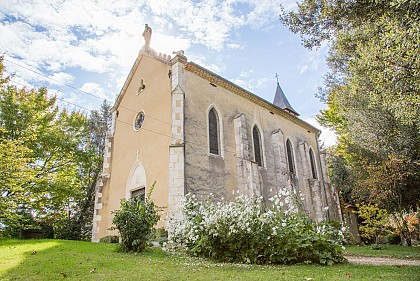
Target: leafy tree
(46,152)
(406,224)
(13,163)
(341,175)
(372,92)
(374,220)
(77,224)
(374,48)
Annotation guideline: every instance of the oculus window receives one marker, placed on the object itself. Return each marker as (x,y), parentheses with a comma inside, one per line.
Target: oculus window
(138,122)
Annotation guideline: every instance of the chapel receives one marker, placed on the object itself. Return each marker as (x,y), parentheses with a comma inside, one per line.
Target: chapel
(190,130)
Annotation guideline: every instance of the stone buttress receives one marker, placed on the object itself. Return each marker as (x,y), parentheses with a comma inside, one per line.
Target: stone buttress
(176,187)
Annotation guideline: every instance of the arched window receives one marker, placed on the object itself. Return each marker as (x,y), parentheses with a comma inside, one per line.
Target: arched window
(214,132)
(290,160)
(257,145)
(313,166)
(136,185)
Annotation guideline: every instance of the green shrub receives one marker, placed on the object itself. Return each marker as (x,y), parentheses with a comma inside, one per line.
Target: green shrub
(394,239)
(110,239)
(160,235)
(374,222)
(246,231)
(135,221)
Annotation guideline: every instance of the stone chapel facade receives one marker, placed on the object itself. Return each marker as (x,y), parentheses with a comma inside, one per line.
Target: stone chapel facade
(192,131)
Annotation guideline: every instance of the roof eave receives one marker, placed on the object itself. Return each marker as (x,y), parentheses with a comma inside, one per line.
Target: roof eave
(216,79)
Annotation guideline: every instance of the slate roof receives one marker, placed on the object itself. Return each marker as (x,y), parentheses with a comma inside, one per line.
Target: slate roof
(281,101)
(212,77)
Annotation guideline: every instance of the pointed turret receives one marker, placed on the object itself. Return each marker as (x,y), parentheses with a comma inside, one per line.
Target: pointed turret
(281,101)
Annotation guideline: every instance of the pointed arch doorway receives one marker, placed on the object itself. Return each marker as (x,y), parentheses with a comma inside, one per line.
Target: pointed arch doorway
(137,182)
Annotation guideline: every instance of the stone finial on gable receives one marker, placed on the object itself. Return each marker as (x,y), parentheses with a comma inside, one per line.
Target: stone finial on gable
(179,57)
(178,53)
(147,34)
(147,50)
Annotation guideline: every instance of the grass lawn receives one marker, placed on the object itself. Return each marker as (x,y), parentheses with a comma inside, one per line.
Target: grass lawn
(72,260)
(387,251)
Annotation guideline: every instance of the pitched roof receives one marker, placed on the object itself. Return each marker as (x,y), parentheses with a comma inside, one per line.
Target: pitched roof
(288,113)
(281,101)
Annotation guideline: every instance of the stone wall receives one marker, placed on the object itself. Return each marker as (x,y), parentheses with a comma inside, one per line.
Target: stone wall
(235,168)
(148,90)
(176,184)
(172,146)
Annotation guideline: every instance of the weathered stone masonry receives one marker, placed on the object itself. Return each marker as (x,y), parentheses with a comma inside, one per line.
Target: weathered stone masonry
(172,146)
(176,186)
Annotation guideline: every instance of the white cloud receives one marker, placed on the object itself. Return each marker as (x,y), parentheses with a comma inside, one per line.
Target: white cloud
(211,22)
(246,74)
(234,46)
(66,39)
(84,29)
(303,68)
(23,71)
(314,60)
(65,31)
(94,89)
(37,48)
(168,44)
(251,84)
(263,11)
(19,82)
(215,67)
(74,101)
(61,78)
(98,38)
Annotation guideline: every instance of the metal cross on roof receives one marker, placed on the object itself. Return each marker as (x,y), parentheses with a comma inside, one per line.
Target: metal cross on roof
(277,77)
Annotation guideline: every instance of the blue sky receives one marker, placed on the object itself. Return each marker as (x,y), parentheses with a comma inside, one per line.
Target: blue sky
(76,47)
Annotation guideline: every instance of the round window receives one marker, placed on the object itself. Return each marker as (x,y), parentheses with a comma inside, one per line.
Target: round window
(139,121)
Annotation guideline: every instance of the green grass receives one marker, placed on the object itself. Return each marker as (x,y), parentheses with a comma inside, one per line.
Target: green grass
(389,251)
(72,260)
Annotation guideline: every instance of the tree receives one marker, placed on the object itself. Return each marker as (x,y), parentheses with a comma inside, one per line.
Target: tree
(13,163)
(374,48)
(340,175)
(372,90)
(77,224)
(43,157)
(374,222)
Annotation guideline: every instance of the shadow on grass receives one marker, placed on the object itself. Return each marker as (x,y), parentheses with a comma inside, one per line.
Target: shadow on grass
(46,259)
(75,260)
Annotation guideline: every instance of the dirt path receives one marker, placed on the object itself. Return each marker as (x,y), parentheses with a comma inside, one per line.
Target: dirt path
(381,261)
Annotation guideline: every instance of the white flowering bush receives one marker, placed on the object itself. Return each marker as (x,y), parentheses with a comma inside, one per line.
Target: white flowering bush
(248,231)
